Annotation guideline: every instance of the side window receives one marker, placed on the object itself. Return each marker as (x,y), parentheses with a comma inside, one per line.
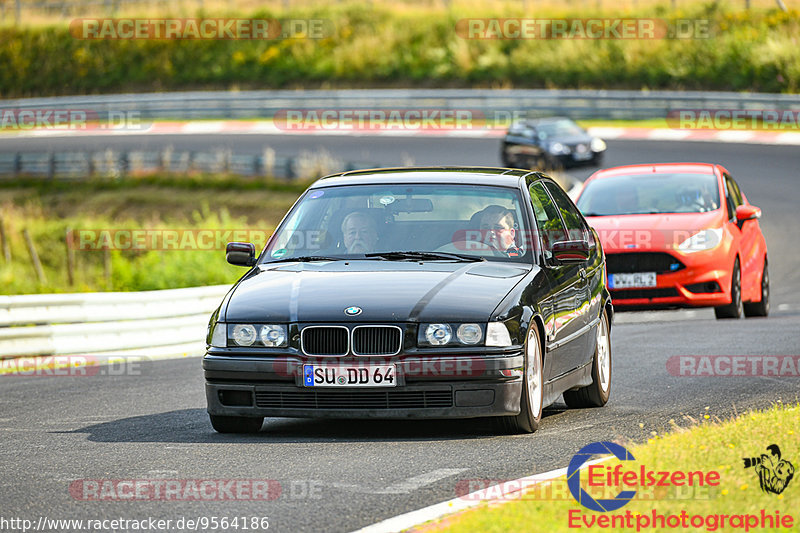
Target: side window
(548,221)
(733,196)
(575,225)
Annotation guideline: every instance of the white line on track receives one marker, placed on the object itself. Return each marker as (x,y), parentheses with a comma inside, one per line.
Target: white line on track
(413,483)
(432,512)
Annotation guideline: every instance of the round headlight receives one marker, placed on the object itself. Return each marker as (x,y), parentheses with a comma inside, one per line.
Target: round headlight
(438,334)
(272,335)
(469,333)
(244,334)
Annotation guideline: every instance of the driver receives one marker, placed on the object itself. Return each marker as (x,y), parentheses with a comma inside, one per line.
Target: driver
(359,233)
(498,230)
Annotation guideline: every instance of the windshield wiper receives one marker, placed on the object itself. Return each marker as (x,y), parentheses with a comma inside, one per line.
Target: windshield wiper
(415,255)
(305,258)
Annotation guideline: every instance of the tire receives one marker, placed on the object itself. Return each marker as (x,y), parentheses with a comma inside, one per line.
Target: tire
(596,394)
(733,309)
(236,424)
(760,308)
(530,402)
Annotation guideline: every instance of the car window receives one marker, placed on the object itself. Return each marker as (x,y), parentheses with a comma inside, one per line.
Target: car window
(560,128)
(348,221)
(652,193)
(735,195)
(551,228)
(576,229)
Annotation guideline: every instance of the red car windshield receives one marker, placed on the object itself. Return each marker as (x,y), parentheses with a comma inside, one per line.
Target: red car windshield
(650,194)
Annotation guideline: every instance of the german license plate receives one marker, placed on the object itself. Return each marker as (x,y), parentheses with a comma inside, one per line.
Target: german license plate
(630,281)
(582,156)
(349,376)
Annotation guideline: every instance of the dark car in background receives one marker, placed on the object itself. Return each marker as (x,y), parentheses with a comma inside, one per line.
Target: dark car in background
(550,143)
(415,293)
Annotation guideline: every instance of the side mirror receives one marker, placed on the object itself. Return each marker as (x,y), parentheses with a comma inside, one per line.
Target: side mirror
(240,253)
(747,212)
(571,251)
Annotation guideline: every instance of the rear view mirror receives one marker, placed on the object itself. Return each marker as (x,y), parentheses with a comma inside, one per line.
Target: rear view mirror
(571,251)
(412,205)
(240,253)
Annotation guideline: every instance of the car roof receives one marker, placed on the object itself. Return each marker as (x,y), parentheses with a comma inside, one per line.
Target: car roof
(504,177)
(658,168)
(541,120)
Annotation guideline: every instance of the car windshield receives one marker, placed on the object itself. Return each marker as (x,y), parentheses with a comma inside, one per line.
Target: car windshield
(650,193)
(561,128)
(444,222)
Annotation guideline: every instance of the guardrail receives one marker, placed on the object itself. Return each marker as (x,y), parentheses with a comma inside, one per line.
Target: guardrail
(114,323)
(580,104)
(119,164)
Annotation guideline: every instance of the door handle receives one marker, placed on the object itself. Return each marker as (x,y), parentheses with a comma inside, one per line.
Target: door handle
(582,274)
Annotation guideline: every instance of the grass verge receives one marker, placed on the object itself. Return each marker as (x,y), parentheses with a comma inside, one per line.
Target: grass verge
(378,46)
(160,205)
(705,444)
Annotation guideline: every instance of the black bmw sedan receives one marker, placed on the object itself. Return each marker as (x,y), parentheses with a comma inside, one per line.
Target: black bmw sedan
(550,143)
(415,293)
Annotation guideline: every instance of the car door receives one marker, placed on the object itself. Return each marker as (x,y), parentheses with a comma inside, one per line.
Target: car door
(563,325)
(746,235)
(590,273)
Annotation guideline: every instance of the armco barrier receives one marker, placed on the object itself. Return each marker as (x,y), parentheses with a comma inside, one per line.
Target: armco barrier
(113,323)
(580,104)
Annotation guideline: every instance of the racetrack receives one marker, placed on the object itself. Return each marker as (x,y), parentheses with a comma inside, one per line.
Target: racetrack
(342,475)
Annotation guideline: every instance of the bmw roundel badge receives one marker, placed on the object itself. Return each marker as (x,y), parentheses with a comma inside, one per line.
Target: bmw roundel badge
(352,311)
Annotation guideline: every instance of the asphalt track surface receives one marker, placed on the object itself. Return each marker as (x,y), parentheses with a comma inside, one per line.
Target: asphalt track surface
(150,422)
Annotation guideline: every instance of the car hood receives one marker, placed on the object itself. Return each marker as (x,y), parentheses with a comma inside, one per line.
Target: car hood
(385,291)
(658,232)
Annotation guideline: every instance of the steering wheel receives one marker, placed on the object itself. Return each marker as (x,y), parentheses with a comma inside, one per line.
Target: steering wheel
(460,247)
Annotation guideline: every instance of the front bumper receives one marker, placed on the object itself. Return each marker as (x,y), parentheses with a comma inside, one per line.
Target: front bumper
(688,287)
(258,386)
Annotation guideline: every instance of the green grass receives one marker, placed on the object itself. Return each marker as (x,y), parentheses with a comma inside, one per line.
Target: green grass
(382,46)
(48,210)
(703,443)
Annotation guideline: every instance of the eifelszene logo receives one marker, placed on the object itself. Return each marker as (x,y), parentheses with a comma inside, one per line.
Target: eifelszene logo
(617,476)
(774,472)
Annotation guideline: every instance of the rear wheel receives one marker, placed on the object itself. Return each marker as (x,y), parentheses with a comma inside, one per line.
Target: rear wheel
(596,394)
(236,424)
(760,308)
(733,309)
(530,403)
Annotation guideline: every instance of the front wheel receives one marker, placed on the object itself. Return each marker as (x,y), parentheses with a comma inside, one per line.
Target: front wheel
(596,394)
(733,309)
(236,424)
(760,308)
(530,403)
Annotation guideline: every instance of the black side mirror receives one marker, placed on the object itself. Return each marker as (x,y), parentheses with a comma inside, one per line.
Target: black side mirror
(240,253)
(571,251)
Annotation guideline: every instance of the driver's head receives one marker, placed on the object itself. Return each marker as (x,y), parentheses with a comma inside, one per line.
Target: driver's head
(360,234)
(627,200)
(497,224)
